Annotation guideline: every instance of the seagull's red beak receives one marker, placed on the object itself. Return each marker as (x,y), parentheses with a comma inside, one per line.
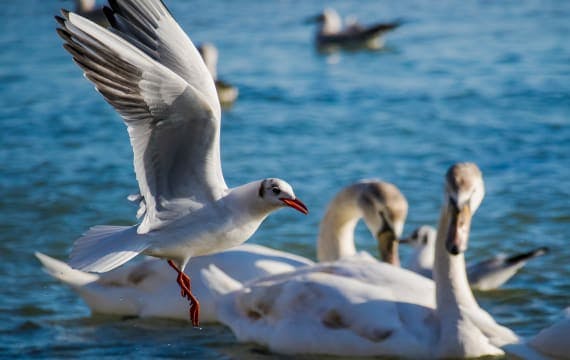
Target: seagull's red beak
(296,204)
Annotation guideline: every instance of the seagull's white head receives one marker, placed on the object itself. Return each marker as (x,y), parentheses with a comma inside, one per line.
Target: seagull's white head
(330,21)
(464,192)
(278,193)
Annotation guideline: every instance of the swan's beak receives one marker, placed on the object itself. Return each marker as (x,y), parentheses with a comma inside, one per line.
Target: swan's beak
(296,204)
(458,231)
(387,244)
(405,241)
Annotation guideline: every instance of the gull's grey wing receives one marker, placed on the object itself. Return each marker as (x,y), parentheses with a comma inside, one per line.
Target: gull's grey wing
(149,25)
(174,130)
(492,273)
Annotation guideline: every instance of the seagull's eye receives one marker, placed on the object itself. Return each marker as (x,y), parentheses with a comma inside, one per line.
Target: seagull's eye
(276,191)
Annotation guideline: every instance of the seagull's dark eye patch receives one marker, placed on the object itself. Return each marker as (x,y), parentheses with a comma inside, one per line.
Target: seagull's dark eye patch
(261,191)
(276,190)
(424,239)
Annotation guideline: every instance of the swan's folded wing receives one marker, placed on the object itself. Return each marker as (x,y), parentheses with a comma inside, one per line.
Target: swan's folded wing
(173,129)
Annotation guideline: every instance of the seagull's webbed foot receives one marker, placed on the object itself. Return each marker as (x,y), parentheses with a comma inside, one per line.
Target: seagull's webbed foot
(183,281)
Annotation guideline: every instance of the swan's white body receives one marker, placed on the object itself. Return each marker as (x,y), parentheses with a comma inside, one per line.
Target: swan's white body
(550,343)
(142,289)
(352,307)
(146,289)
(484,275)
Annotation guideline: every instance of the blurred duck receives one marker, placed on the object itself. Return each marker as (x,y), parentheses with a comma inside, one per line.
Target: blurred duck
(89,10)
(144,289)
(368,308)
(485,275)
(331,35)
(227,93)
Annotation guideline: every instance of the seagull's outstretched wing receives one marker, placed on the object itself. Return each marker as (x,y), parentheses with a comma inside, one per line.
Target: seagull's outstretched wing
(492,273)
(149,25)
(173,121)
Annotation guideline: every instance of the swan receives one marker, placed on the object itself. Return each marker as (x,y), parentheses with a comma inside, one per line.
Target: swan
(363,308)
(484,275)
(227,93)
(331,35)
(143,289)
(550,343)
(148,69)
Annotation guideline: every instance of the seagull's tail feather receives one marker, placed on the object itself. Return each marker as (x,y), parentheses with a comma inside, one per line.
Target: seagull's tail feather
(526,255)
(103,248)
(218,282)
(64,273)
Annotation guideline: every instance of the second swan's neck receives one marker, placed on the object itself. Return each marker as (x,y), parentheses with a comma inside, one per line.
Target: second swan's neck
(336,233)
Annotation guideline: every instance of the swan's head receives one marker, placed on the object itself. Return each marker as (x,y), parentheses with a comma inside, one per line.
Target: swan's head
(278,193)
(424,236)
(464,191)
(384,210)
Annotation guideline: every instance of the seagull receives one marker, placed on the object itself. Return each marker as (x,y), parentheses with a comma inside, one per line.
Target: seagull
(331,35)
(361,308)
(227,93)
(142,289)
(485,275)
(147,68)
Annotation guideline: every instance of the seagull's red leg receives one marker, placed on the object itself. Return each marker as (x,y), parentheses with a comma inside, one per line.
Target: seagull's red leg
(183,281)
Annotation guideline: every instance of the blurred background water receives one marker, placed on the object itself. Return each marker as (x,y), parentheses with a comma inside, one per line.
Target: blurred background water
(480,81)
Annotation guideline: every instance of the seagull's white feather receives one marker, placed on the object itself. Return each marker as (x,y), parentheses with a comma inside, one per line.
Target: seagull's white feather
(104,247)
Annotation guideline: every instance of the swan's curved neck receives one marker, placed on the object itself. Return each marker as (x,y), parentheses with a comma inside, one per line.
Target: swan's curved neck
(450,275)
(336,232)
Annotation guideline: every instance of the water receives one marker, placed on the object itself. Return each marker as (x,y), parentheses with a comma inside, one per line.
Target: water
(481,81)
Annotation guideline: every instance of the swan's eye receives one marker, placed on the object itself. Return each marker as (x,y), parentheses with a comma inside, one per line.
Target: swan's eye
(276,191)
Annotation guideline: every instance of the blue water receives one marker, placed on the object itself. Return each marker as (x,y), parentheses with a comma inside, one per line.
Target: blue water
(482,81)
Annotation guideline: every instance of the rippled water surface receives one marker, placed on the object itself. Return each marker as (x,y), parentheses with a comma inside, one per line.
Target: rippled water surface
(482,81)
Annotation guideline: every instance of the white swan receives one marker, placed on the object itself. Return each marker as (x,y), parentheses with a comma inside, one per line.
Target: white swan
(334,308)
(484,275)
(550,343)
(143,289)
